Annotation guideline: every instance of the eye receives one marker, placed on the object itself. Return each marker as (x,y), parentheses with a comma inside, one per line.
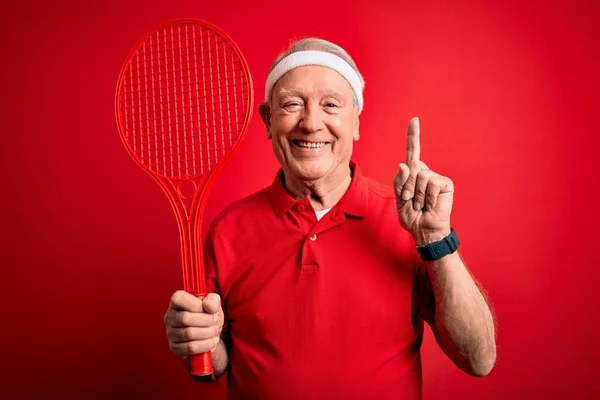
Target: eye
(331,107)
(330,104)
(292,105)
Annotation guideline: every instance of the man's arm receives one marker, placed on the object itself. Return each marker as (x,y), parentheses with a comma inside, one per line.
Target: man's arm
(220,360)
(462,321)
(220,356)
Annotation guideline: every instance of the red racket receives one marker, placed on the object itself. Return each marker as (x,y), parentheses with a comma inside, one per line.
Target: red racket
(183,104)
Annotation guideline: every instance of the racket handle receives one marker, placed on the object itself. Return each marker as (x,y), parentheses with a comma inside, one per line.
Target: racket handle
(201,364)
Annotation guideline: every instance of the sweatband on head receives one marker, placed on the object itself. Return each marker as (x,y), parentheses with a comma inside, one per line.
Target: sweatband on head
(314,57)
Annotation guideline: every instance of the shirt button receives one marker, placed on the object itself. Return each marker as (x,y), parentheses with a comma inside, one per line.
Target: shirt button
(300,207)
(313,237)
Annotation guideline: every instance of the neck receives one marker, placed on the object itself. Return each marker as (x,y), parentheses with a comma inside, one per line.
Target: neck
(324,192)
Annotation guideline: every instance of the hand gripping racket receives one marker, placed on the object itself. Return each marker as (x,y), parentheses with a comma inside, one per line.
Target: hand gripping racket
(183,104)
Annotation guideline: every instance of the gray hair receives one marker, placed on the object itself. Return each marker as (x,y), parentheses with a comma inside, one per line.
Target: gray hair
(314,43)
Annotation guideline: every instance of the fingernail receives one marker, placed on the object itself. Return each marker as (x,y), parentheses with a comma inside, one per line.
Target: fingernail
(417,206)
(216,339)
(406,195)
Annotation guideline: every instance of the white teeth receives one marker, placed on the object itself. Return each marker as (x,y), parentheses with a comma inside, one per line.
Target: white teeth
(310,145)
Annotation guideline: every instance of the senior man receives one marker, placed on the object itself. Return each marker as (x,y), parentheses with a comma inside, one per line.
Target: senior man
(321,282)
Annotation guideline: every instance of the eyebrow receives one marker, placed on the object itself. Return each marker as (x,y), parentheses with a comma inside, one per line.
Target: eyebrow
(296,92)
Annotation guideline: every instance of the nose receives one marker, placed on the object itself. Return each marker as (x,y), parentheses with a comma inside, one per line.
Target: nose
(311,119)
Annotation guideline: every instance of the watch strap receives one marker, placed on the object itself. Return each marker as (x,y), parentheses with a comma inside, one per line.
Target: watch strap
(436,250)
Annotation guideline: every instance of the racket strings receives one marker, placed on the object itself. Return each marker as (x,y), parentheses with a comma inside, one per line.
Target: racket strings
(183,101)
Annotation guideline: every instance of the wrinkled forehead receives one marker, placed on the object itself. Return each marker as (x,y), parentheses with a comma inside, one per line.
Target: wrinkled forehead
(313,80)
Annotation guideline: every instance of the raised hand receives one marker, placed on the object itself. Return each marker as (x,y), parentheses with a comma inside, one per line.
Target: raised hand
(423,197)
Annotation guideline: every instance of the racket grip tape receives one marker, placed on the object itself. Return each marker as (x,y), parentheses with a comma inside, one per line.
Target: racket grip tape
(201,367)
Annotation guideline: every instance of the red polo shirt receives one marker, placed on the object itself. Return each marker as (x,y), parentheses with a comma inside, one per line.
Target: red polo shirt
(318,309)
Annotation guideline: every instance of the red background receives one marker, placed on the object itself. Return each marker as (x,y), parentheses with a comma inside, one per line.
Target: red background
(508,96)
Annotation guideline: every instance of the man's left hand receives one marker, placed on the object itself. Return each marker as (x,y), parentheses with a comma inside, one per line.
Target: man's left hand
(423,197)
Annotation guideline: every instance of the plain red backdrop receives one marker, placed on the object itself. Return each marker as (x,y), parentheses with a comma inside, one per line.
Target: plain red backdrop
(508,96)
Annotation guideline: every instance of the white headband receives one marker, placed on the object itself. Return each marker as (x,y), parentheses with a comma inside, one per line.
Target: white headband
(313,57)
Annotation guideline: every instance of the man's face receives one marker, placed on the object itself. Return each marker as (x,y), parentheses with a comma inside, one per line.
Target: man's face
(312,122)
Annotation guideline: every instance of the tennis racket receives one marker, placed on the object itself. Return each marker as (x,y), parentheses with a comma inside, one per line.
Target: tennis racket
(183,104)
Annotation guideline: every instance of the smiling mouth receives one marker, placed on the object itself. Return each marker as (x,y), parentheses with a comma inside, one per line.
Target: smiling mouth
(308,145)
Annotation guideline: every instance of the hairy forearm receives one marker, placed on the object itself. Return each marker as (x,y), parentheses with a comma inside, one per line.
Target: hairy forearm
(464,323)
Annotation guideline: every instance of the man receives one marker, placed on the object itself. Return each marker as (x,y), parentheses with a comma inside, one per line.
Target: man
(321,282)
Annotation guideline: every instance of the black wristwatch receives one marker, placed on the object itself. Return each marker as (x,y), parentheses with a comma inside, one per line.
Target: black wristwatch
(436,250)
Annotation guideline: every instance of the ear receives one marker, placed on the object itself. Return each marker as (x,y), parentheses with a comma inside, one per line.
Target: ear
(265,114)
(356,131)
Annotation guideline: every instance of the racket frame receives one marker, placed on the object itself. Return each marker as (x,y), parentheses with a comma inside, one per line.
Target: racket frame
(189,218)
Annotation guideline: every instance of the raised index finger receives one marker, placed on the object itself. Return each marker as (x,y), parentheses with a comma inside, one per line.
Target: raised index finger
(413,144)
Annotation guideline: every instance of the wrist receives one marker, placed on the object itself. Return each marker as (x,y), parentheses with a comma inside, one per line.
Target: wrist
(438,249)
(428,237)
(436,266)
